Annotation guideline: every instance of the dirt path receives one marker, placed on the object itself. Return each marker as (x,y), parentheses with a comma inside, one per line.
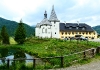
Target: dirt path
(94,65)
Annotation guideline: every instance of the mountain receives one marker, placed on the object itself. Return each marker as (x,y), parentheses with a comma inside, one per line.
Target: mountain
(12,26)
(97,28)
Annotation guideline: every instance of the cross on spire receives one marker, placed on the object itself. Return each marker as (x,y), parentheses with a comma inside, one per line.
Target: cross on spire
(45,14)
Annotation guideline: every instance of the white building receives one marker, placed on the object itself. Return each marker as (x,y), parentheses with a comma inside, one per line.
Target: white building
(48,28)
(53,28)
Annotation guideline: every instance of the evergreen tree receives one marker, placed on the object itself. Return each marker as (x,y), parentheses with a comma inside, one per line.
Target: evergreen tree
(4,35)
(20,33)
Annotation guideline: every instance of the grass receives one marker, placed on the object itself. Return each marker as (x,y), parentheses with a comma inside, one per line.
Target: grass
(50,48)
(12,41)
(53,47)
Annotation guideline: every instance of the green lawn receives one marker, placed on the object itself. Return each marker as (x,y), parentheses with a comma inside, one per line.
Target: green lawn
(51,47)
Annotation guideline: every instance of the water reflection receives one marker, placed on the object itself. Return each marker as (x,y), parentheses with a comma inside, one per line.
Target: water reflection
(14,54)
(3,54)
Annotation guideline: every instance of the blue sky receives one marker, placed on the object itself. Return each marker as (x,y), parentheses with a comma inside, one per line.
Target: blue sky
(32,11)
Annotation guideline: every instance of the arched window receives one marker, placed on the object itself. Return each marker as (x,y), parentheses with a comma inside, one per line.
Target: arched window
(73,33)
(62,33)
(90,33)
(86,33)
(66,33)
(54,22)
(45,30)
(79,32)
(69,33)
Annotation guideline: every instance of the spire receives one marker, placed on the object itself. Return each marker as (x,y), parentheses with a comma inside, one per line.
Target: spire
(53,7)
(45,14)
(53,16)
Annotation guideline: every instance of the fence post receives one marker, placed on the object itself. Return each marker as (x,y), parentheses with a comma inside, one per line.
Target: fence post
(62,58)
(93,52)
(84,55)
(98,50)
(8,63)
(34,63)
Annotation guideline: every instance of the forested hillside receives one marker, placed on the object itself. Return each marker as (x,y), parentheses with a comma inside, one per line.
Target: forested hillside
(12,25)
(97,28)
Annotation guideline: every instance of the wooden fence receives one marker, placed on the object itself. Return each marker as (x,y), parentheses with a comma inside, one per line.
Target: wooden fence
(58,61)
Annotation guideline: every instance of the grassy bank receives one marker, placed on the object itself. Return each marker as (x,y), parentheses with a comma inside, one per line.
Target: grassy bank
(51,47)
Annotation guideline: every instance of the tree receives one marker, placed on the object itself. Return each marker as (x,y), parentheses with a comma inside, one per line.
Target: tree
(20,33)
(4,35)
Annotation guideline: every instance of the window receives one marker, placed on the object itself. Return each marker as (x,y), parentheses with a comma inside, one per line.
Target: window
(70,27)
(66,33)
(79,32)
(54,22)
(62,33)
(86,32)
(76,27)
(76,32)
(86,37)
(55,32)
(90,33)
(62,36)
(66,37)
(69,33)
(73,33)
(83,28)
(83,33)
(45,30)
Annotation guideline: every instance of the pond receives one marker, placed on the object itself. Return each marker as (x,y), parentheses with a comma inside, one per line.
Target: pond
(14,54)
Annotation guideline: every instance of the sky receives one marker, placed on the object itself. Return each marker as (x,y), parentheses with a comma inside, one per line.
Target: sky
(69,11)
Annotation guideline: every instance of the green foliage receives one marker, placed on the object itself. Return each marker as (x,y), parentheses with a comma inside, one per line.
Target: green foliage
(12,25)
(52,48)
(4,35)
(20,33)
(97,28)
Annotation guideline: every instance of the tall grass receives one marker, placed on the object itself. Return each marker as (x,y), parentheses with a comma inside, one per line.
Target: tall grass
(51,47)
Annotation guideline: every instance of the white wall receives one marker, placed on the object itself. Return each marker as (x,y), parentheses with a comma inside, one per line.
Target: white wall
(36,31)
(55,29)
(45,31)
(52,31)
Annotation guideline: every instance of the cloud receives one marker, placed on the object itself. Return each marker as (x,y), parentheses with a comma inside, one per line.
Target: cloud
(83,11)
(32,11)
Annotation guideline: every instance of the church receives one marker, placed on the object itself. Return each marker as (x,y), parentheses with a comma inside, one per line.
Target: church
(53,28)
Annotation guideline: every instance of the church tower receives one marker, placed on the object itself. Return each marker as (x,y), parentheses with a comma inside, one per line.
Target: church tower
(53,16)
(55,24)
